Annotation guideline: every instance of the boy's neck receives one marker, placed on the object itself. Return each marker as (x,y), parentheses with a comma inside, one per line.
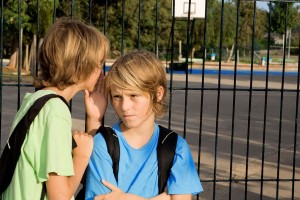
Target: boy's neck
(67,93)
(137,137)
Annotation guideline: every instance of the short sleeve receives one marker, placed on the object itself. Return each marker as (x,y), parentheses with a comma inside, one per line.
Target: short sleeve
(184,178)
(56,143)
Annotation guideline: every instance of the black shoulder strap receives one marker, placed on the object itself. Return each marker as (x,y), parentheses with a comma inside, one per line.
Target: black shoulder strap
(113,147)
(12,150)
(165,155)
(165,152)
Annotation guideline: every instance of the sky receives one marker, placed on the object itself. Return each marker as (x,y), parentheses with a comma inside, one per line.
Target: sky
(264,4)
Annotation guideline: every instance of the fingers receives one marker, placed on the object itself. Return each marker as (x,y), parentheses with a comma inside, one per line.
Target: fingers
(110,186)
(86,95)
(82,138)
(102,85)
(84,143)
(76,133)
(100,197)
(99,86)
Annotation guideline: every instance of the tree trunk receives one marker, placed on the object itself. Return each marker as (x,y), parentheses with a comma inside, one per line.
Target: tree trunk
(32,57)
(26,65)
(231,52)
(13,60)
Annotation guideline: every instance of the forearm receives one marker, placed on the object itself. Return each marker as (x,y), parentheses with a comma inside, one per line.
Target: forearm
(80,164)
(64,187)
(92,125)
(181,197)
(162,196)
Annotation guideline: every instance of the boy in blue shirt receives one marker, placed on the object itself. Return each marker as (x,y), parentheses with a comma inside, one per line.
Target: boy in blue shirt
(137,87)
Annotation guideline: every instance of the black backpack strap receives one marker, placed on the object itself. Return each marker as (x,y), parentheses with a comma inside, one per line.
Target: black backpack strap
(12,150)
(113,147)
(165,155)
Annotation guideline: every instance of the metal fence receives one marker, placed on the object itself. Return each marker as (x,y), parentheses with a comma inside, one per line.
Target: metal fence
(240,119)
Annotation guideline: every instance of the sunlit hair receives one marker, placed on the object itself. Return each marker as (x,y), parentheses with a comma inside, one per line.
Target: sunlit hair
(140,71)
(70,53)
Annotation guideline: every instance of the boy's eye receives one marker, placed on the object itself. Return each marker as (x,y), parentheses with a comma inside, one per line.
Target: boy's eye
(116,96)
(134,95)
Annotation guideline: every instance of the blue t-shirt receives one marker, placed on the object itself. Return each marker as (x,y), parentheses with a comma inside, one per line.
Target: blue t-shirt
(138,168)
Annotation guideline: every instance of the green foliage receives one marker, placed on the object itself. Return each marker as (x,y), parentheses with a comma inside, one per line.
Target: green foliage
(147,24)
(279,17)
(36,18)
(25,14)
(11,13)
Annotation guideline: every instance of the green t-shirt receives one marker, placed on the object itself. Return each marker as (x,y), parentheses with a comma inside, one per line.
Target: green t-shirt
(47,148)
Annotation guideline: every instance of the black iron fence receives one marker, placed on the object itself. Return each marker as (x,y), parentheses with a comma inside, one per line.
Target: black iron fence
(234,87)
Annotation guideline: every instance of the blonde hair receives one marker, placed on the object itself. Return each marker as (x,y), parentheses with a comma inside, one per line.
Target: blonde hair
(142,71)
(70,53)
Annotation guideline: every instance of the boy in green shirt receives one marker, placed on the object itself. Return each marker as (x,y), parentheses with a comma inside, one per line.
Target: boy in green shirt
(70,59)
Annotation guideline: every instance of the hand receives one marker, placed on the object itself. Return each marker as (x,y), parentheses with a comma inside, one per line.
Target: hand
(96,101)
(118,194)
(162,196)
(115,194)
(84,143)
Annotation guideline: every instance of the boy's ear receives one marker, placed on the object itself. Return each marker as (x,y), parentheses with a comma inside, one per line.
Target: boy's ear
(160,93)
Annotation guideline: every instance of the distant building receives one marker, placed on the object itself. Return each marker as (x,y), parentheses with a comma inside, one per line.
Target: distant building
(278,40)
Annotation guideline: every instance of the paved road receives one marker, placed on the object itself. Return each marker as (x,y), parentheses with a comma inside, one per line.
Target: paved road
(218,145)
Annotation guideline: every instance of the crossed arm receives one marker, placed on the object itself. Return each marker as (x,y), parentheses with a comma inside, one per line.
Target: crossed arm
(118,194)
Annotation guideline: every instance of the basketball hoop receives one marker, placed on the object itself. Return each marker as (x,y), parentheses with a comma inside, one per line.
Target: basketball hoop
(182,8)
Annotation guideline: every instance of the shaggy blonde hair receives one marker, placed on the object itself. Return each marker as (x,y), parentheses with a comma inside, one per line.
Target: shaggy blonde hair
(141,71)
(70,53)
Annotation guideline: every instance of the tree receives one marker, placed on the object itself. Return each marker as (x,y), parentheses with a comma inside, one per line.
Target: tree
(28,20)
(11,27)
(280,18)
(131,25)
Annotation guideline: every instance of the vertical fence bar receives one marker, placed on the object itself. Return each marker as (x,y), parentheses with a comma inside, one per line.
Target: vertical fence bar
(139,24)
(202,94)
(281,103)
(105,17)
(188,33)
(296,126)
(54,11)
(123,29)
(156,29)
(1,71)
(218,101)
(38,36)
(19,53)
(90,22)
(72,8)
(265,108)
(171,64)
(72,15)
(90,11)
(250,100)
(234,96)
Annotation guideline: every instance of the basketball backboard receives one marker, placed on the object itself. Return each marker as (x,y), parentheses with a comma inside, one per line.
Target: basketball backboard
(197,8)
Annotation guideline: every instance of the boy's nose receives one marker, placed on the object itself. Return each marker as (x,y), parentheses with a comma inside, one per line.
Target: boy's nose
(126,104)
